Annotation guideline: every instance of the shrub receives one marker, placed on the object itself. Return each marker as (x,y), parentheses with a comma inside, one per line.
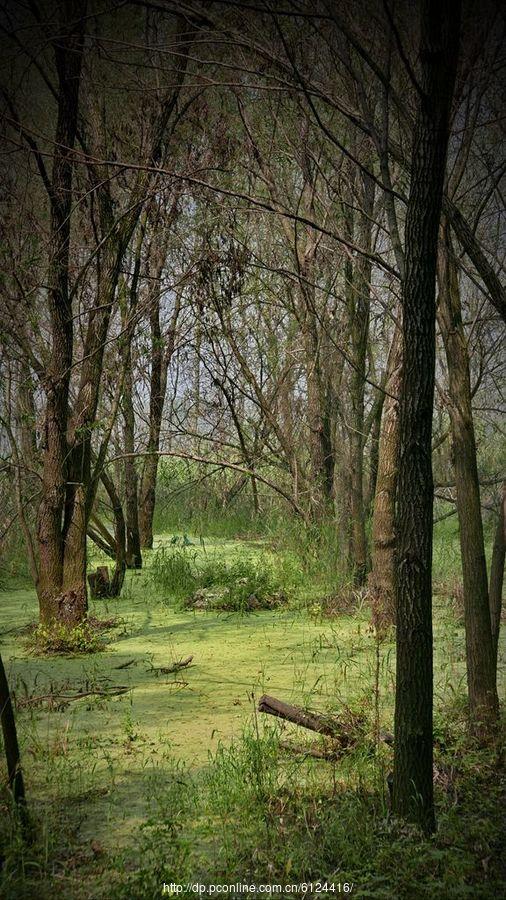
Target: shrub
(61,639)
(214,583)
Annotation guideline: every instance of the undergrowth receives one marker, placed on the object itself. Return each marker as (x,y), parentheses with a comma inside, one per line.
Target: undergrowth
(258,815)
(208,581)
(306,823)
(58,638)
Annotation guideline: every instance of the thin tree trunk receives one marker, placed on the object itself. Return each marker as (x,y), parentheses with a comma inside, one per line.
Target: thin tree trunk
(119,536)
(382,577)
(413,749)
(133,540)
(481,680)
(133,543)
(374,454)
(359,330)
(161,355)
(497,574)
(321,460)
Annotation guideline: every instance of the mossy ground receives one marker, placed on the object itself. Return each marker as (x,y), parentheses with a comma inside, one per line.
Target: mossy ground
(96,763)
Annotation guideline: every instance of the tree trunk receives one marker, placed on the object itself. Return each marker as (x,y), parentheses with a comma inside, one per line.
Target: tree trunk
(50,539)
(161,355)
(10,739)
(374,454)
(119,543)
(321,456)
(497,574)
(81,490)
(133,541)
(481,680)
(413,750)
(359,330)
(382,577)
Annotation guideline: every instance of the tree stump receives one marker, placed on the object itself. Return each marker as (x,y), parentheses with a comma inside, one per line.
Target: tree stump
(100,583)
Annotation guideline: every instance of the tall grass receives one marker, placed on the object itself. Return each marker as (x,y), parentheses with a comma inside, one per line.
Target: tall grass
(180,572)
(259,816)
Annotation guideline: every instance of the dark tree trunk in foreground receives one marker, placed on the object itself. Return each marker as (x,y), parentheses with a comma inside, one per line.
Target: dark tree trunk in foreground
(481,670)
(413,753)
(10,739)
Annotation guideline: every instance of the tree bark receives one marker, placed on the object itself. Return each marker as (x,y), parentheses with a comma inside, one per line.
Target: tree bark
(481,674)
(133,541)
(413,751)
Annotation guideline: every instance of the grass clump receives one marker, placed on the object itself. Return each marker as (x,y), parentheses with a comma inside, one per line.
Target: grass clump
(174,571)
(211,582)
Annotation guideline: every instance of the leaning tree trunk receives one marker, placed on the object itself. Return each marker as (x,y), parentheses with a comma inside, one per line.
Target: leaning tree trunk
(481,673)
(413,749)
(382,577)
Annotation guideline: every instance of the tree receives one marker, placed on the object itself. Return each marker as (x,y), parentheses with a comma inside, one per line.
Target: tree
(481,667)
(413,752)
(52,520)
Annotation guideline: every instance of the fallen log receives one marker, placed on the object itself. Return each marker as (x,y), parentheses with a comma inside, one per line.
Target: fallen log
(322,724)
(344,732)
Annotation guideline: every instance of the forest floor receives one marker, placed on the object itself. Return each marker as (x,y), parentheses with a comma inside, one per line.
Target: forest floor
(117,753)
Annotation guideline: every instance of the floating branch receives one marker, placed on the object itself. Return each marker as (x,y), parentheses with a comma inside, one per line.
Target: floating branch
(175,667)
